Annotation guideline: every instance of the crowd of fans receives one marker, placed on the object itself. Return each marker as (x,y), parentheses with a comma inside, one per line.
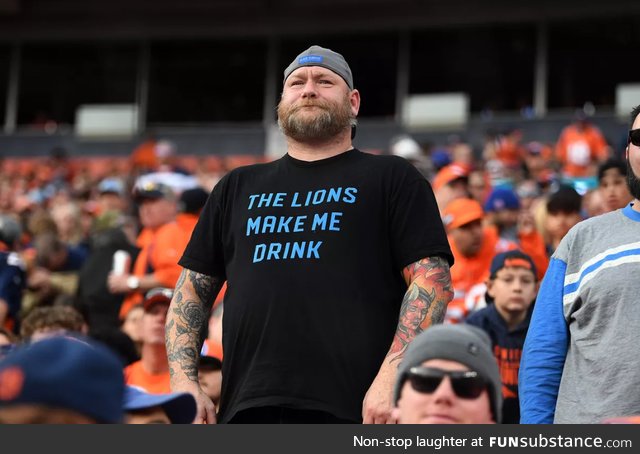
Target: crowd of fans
(94,256)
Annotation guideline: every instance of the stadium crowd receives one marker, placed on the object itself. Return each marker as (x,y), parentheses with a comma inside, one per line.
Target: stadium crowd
(89,264)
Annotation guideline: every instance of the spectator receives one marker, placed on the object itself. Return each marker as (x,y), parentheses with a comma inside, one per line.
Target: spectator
(513,226)
(440,158)
(143,158)
(93,292)
(461,153)
(509,149)
(563,211)
(580,362)
(152,371)
(61,381)
(39,222)
(12,273)
(529,194)
(54,255)
(270,371)
(450,183)
(141,407)
(537,159)
(55,274)
(449,376)
(502,208)
(132,324)
(473,247)
(612,181)
(161,242)
(581,147)
(111,196)
(45,322)
(66,216)
(478,185)
(511,290)
(593,203)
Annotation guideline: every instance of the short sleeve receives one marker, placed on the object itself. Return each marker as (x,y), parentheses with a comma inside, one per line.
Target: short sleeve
(205,252)
(416,228)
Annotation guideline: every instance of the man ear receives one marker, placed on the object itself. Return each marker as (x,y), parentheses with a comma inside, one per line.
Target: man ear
(490,285)
(354,100)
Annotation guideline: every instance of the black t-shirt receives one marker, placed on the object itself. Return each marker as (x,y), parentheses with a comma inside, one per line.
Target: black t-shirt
(93,296)
(312,253)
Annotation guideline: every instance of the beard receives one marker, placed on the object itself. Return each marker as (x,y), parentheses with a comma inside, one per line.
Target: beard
(328,119)
(633,182)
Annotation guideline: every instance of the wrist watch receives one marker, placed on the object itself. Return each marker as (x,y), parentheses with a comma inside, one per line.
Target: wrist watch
(133,282)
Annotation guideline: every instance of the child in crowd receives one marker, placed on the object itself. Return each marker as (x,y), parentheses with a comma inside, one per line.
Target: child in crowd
(612,183)
(511,289)
(563,211)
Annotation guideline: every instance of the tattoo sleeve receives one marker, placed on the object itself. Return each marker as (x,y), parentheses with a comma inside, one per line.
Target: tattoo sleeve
(425,302)
(187,317)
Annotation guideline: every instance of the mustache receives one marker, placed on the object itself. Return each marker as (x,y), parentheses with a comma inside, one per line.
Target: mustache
(304,104)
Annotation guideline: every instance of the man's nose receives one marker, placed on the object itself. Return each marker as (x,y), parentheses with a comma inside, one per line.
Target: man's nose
(309,90)
(444,391)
